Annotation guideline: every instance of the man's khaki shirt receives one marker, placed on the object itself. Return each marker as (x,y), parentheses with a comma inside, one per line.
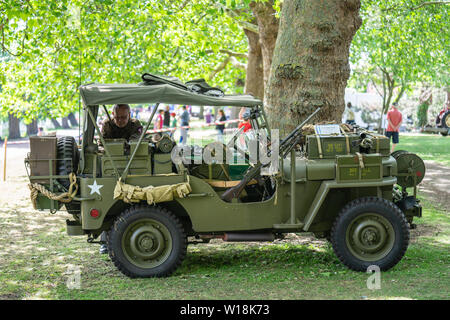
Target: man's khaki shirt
(132,130)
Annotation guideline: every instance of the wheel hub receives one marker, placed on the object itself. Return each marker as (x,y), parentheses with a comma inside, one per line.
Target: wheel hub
(146,243)
(370,237)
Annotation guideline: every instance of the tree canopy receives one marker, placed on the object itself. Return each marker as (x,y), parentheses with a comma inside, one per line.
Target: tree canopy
(50,47)
(401,43)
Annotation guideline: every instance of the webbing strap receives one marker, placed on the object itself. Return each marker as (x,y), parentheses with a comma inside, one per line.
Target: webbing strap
(319,144)
(361,160)
(347,143)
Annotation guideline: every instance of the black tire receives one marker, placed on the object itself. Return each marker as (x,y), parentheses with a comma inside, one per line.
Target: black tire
(151,227)
(445,122)
(360,224)
(68,158)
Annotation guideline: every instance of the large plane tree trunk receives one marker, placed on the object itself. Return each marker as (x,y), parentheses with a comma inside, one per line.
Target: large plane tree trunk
(268,31)
(310,65)
(13,127)
(55,123)
(254,79)
(65,123)
(72,119)
(32,128)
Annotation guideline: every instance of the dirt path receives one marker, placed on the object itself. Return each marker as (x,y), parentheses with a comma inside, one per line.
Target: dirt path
(436,184)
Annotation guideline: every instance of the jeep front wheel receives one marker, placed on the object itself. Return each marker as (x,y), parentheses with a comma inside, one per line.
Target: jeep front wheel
(370,231)
(147,241)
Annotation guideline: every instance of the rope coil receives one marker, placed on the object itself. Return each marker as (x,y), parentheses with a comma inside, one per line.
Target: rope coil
(36,188)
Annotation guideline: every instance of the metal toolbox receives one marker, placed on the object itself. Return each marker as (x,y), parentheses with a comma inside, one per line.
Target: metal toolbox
(359,167)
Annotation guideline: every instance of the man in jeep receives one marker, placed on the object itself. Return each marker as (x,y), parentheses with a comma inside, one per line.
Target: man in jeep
(120,126)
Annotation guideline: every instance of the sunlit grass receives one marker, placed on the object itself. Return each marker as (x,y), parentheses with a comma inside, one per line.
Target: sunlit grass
(428,147)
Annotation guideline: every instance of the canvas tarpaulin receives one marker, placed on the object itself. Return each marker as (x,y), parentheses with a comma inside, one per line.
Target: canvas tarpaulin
(98,94)
(129,193)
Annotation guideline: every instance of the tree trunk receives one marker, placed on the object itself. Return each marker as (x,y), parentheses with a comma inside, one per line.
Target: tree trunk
(72,119)
(13,126)
(201,115)
(254,79)
(32,128)
(55,123)
(65,123)
(310,65)
(268,31)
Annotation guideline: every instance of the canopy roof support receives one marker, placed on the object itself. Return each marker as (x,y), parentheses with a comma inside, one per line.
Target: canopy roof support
(125,172)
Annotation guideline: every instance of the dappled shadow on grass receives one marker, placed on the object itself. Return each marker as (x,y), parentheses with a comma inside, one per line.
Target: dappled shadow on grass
(220,257)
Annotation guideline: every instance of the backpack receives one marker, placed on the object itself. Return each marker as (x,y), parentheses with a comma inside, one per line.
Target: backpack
(198,86)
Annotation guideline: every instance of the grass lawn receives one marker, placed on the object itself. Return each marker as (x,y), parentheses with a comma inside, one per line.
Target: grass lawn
(428,147)
(35,254)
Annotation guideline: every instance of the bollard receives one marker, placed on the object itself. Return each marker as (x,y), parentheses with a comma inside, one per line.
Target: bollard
(4,159)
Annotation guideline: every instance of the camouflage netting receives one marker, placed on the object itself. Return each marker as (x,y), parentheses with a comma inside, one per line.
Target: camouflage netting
(129,193)
(309,128)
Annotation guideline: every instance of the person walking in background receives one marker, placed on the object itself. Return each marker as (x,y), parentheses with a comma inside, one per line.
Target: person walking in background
(245,122)
(208,116)
(173,124)
(159,120)
(184,122)
(394,119)
(350,114)
(220,127)
(166,123)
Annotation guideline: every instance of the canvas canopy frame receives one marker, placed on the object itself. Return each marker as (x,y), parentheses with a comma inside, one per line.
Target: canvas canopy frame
(96,94)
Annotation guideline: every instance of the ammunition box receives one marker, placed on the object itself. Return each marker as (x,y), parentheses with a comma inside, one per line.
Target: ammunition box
(142,150)
(43,153)
(327,147)
(139,165)
(115,147)
(381,144)
(162,163)
(348,168)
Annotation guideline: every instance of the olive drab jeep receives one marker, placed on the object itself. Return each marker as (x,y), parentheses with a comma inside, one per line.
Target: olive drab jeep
(338,182)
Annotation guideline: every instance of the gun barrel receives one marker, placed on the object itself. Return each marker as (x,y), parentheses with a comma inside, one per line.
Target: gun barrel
(299,127)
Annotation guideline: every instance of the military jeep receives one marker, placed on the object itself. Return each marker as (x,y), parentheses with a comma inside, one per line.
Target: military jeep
(343,186)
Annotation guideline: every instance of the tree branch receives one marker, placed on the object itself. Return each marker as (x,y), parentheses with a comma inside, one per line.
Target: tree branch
(23,42)
(230,53)
(237,64)
(427,3)
(244,24)
(183,5)
(219,68)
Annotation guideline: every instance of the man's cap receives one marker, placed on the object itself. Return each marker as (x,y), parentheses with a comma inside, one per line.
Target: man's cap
(246,116)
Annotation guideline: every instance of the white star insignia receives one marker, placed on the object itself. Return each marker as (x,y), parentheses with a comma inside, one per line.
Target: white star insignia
(95,188)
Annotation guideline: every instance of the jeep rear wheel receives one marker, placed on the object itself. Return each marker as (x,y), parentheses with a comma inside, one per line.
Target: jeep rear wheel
(445,122)
(370,231)
(68,158)
(147,241)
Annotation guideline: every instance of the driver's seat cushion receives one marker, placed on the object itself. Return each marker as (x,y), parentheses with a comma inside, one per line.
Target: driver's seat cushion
(227,184)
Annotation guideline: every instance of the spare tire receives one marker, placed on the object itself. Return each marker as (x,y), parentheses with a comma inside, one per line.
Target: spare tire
(445,122)
(68,158)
